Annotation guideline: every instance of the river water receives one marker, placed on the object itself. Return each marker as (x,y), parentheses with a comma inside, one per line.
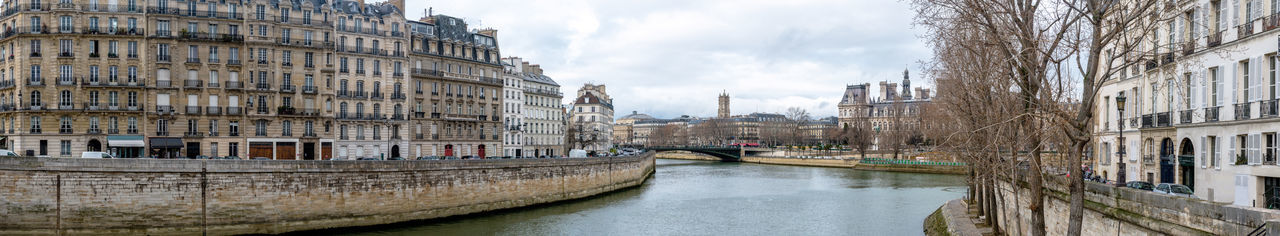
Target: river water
(715,198)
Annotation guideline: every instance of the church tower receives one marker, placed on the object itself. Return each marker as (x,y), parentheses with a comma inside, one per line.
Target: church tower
(724,106)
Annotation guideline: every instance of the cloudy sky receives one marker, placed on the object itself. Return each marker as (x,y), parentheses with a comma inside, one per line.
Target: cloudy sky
(672,57)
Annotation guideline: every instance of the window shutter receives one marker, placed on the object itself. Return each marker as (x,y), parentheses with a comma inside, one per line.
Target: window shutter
(1204,153)
(1254,158)
(1231,153)
(1235,13)
(1221,91)
(1222,15)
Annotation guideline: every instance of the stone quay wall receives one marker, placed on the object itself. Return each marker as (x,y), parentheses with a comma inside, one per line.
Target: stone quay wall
(1124,211)
(220,197)
(842,163)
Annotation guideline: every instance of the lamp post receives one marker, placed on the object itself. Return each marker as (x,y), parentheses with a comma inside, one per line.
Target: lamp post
(1120,174)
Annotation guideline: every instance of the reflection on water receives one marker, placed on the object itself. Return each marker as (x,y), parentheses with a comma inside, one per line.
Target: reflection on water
(713,198)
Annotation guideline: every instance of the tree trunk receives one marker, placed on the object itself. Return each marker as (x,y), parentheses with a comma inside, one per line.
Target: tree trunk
(1077,188)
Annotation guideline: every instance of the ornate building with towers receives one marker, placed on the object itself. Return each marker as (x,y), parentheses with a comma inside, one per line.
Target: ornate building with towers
(880,113)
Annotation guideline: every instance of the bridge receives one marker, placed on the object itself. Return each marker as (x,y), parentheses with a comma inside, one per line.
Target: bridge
(725,153)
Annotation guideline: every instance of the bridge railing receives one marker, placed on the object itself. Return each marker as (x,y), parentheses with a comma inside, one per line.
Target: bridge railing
(882,160)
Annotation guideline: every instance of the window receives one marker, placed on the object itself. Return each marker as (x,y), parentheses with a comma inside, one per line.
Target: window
(287,128)
(162,127)
(233,148)
(64,125)
(260,127)
(66,147)
(234,129)
(35,125)
(133,125)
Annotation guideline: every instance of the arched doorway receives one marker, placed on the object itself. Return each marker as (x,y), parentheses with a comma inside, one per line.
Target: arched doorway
(1186,164)
(448,150)
(1167,161)
(480,151)
(395,151)
(95,145)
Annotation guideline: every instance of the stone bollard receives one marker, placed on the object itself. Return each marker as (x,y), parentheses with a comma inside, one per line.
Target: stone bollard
(1273,227)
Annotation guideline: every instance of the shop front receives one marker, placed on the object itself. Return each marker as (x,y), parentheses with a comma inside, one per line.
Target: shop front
(125,146)
(166,147)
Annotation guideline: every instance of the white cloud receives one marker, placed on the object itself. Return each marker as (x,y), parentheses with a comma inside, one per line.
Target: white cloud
(671,57)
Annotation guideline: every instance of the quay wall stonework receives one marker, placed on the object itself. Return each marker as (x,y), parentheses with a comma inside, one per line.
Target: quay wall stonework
(221,197)
(1124,211)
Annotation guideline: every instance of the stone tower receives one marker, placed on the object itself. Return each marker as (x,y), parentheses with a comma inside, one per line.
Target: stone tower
(724,106)
(906,85)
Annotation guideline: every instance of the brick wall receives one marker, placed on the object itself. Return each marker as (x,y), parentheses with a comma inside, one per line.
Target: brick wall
(143,196)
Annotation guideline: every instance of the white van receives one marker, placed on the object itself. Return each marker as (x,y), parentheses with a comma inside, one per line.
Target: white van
(98,155)
(7,153)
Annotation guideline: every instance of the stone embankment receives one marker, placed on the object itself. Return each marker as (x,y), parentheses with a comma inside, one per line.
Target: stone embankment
(219,197)
(1123,211)
(873,162)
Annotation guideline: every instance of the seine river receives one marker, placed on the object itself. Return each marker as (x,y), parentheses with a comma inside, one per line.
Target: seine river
(714,198)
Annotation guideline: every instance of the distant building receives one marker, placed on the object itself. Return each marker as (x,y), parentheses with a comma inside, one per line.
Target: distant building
(724,106)
(623,133)
(592,117)
(542,117)
(817,131)
(881,113)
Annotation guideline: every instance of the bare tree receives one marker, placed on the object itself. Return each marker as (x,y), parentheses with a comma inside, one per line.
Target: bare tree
(858,134)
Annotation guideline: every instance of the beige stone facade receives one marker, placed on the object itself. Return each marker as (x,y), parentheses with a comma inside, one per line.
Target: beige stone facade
(277,80)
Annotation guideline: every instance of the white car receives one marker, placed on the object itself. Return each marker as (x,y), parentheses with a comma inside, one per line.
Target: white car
(7,153)
(1174,189)
(97,155)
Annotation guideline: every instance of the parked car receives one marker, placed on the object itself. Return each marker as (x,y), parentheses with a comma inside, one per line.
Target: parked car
(423,158)
(1174,189)
(368,159)
(98,155)
(1139,185)
(261,158)
(7,153)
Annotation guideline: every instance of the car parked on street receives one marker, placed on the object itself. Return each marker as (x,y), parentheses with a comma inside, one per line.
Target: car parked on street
(96,155)
(7,153)
(1174,189)
(1139,185)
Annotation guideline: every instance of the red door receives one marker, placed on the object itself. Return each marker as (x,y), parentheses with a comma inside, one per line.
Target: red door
(448,150)
(481,151)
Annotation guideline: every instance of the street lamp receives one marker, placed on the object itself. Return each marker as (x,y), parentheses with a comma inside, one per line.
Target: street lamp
(1120,178)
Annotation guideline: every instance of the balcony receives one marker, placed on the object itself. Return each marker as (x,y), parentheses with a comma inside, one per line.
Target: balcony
(193,110)
(1242,111)
(310,112)
(191,83)
(1163,119)
(309,134)
(1214,39)
(376,96)
(234,111)
(212,110)
(235,85)
(398,96)
(35,81)
(212,84)
(1185,116)
(309,89)
(193,134)
(233,62)
(1188,48)
(1211,114)
(1268,108)
(1166,58)
(66,55)
(163,58)
(263,86)
(418,136)
(164,109)
(286,88)
(66,81)
(397,117)
(419,114)
(286,111)
(423,72)
(162,84)
(359,94)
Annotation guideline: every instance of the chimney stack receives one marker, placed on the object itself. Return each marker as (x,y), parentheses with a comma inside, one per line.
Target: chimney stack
(399,4)
(361,2)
